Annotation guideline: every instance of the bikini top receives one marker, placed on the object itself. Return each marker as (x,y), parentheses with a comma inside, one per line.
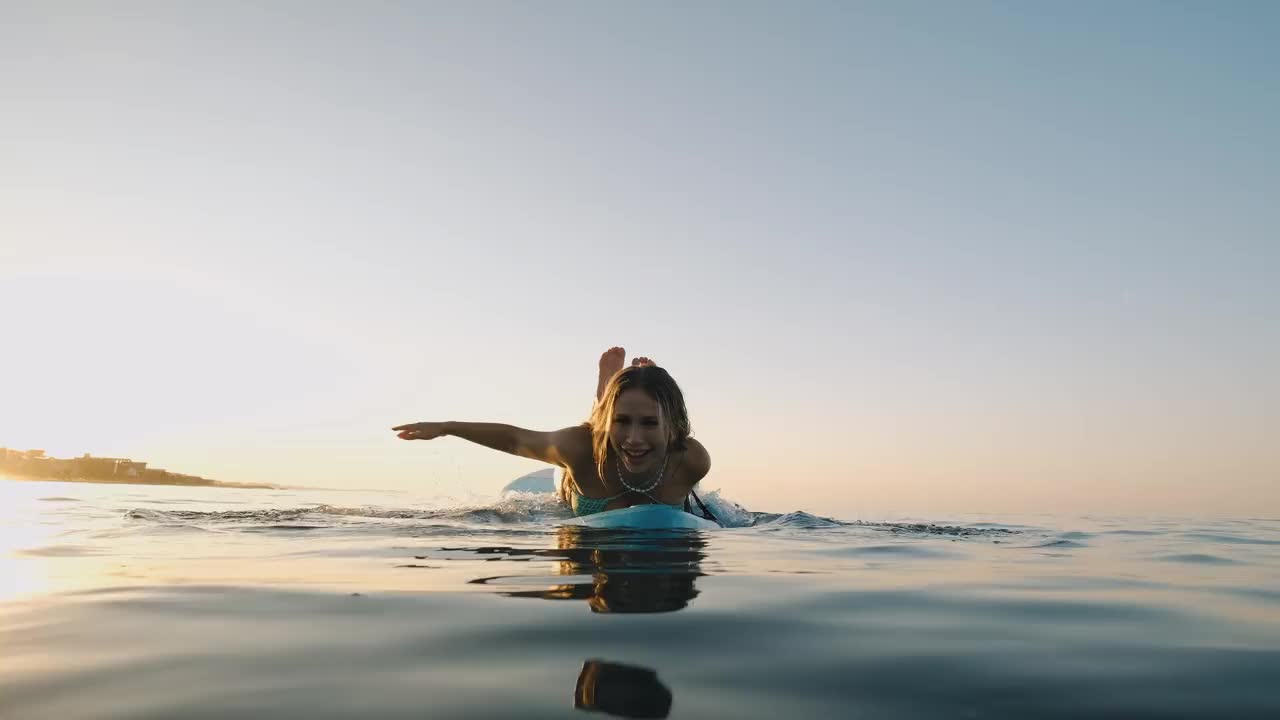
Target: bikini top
(583,505)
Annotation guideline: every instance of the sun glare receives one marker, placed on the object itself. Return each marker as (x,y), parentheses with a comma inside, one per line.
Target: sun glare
(21,532)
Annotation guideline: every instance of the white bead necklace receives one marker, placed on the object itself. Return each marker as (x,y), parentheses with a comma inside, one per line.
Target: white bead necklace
(617,466)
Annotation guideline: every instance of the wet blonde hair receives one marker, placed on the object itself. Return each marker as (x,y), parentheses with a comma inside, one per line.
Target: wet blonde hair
(657,384)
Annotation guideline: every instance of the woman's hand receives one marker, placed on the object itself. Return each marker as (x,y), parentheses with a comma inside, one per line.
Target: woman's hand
(420,431)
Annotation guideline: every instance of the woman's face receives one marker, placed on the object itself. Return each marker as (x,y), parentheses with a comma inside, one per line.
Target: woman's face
(637,431)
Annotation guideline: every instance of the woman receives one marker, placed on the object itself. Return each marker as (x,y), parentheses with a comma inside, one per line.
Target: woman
(634,450)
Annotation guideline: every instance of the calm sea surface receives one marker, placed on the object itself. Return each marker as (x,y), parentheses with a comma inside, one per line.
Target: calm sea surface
(166,602)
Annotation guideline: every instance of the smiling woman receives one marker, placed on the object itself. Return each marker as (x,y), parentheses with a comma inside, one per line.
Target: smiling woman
(640,423)
(634,450)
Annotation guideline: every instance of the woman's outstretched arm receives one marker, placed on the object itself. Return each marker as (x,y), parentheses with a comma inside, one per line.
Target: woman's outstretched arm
(555,447)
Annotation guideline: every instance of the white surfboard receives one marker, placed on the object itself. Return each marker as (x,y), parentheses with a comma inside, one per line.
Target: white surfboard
(538,481)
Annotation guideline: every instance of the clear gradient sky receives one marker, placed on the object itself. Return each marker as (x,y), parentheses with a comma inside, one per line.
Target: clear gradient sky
(903,257)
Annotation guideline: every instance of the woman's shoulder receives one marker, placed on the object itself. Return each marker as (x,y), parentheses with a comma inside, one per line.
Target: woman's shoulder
(696,462)
(574,443)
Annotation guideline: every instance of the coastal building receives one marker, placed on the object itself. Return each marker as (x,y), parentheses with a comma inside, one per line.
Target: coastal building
(129,469)
(27,461)
(35,464)
(90,467)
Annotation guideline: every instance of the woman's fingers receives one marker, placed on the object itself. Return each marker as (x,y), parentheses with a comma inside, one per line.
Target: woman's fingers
(408,432)
(418,431)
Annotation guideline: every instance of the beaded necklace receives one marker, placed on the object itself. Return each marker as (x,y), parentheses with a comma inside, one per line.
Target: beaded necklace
(617,466)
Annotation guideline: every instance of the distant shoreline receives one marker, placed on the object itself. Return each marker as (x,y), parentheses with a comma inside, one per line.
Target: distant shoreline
(136,481)
(26,465)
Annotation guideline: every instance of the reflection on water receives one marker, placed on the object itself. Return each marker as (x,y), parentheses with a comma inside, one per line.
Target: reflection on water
(197,603)
(621,572)
(622,690)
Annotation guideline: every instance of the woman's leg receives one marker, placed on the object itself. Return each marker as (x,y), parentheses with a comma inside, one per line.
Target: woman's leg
(611,362)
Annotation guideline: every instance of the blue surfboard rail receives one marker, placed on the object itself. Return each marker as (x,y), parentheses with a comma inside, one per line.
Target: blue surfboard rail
(645,517)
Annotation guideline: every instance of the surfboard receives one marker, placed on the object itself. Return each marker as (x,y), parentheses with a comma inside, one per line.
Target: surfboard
(645,517)
(538,481)
(642,517)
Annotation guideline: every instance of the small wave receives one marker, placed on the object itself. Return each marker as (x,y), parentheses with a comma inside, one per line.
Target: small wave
(1059,543)
(896,550)
(1198,558)
(1230,539)
(510,509)
(60,499)
(1271,597)
(59,551)
(798,519)
(806,521)
(370,512)
(728,512)
(929,529)
(190,516)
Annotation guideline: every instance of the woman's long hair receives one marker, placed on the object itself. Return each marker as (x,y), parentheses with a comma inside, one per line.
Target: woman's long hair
(660,386)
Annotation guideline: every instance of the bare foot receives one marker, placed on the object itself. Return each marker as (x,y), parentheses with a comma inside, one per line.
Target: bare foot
(642,362)
(611,362)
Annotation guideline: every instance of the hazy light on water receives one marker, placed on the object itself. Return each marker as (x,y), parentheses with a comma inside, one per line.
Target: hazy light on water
(144,599)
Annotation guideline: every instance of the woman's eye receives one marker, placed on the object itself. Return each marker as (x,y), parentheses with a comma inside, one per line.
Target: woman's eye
(651,423)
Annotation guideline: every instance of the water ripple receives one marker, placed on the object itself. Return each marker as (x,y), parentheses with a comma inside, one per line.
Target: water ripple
(1197,559)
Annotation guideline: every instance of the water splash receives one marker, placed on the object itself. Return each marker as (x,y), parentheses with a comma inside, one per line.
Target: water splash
(517,510)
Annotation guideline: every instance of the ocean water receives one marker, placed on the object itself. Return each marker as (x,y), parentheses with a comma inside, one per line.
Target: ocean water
(168,602)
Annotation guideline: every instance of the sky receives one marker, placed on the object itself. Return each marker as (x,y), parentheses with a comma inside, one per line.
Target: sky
(903,258)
